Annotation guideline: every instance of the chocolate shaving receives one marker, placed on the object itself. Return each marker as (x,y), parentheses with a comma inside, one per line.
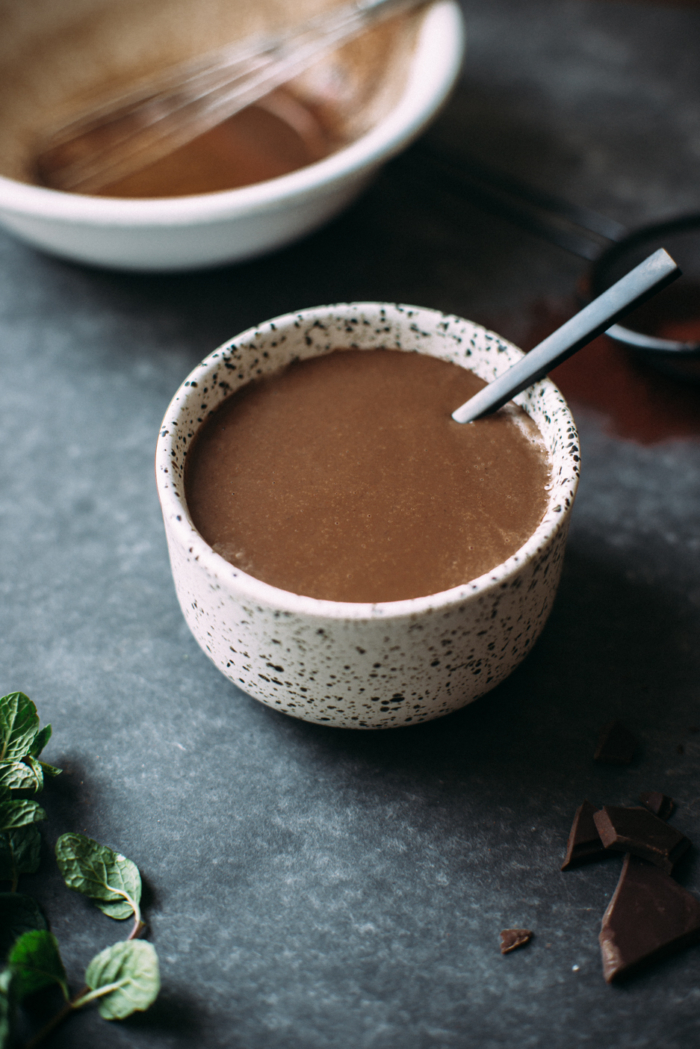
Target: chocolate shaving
(660,804)
(584,844)
(649,916)
(640,832)
(616,745)
(511,939)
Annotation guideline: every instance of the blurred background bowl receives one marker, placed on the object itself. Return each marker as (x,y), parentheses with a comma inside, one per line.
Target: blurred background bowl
(382,90)
(665,331)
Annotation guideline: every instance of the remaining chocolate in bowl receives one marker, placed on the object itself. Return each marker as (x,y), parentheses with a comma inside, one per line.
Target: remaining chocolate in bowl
(330,130)
(359,664)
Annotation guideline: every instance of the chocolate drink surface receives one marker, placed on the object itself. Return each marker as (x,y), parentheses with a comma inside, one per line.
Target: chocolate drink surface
(343,477)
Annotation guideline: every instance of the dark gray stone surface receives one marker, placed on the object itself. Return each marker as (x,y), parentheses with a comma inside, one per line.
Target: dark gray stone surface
(310,888)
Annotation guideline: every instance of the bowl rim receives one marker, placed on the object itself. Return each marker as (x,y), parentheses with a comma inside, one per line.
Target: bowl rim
(433,70)
(177,518)
(653,346)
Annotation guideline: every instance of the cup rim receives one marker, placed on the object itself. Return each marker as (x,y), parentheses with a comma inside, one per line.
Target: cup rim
(434,67)
(176,513)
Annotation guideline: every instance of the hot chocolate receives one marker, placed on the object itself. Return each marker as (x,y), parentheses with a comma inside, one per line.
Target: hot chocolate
(343,477)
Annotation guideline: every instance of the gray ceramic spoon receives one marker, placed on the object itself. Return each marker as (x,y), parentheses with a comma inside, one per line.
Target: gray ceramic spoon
(644,280)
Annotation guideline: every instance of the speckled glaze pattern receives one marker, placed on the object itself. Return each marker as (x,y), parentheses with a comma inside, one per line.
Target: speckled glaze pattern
(361,665)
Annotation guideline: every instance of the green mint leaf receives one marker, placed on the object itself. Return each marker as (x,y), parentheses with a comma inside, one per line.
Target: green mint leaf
(19,852)
(37,769)
(16,775)
(117,909)
(50,770)
(26,846)
(18,914)
(7,1008)
(127,975)
(35,962)
(19,726)
(108,878)
(40,740)
(21,742)
(27,774)
(18,812)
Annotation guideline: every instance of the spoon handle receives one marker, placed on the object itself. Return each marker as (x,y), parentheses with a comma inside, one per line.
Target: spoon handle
(644,280)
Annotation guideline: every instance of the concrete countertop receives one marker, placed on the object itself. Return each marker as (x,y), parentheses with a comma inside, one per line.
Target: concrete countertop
(310,888)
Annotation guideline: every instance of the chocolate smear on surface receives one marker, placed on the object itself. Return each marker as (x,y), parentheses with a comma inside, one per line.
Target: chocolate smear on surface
(616,745)
(632,399)
(660,804)
(511,939)
(640,832)
(649,916)
(584,844)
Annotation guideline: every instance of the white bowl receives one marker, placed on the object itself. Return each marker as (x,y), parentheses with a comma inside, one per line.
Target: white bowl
(189,232)
(363,665)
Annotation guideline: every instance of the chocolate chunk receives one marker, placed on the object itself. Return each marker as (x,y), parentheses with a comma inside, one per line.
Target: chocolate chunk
(584,844)
(511,939)
(616,745)
(649,916)
(640,832)
(660,804)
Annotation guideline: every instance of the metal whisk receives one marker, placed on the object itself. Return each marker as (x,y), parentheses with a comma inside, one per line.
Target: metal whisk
(133,131)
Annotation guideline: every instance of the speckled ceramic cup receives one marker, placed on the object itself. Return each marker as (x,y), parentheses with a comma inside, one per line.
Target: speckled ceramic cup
(363,665)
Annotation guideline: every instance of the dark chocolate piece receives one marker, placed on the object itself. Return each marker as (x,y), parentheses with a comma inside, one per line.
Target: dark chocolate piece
(616,745)
(584,844)
(660,804)
(511,939)
(649,916)
(640,832)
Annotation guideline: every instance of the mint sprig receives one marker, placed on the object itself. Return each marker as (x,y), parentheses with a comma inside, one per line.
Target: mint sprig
(123,978)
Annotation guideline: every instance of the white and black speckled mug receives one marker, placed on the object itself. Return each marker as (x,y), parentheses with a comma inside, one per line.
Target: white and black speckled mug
(363,665)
